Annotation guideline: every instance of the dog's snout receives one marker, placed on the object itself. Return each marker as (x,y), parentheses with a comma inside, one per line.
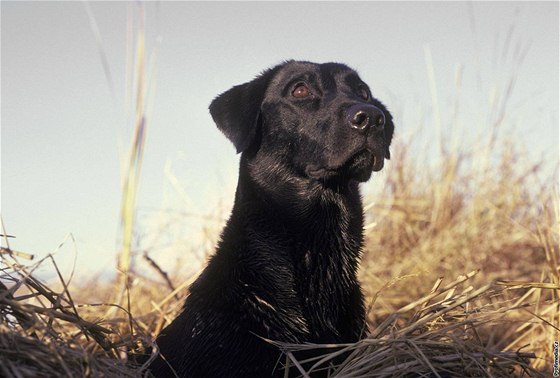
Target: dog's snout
(365,117)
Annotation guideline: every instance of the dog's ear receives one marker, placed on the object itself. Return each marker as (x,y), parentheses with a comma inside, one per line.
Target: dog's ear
(237,111)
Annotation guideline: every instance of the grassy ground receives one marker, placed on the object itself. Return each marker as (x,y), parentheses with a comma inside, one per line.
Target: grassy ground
(460,272)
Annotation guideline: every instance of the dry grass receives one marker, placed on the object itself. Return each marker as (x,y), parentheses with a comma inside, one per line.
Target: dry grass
(461,273)
(427,313)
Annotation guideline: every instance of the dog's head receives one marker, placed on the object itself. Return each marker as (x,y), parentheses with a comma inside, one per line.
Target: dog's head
(320,121)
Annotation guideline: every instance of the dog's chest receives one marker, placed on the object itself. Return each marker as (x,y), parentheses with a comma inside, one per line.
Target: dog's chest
(326,262)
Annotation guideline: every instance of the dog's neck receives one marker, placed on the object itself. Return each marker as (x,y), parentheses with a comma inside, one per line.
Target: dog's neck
(318,233)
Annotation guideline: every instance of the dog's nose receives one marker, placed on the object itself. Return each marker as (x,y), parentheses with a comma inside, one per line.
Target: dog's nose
(365,117)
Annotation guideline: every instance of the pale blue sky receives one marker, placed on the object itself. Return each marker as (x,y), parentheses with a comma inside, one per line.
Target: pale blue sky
(61,127)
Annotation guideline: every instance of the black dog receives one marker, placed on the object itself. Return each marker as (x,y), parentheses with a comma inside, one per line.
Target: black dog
(285,268)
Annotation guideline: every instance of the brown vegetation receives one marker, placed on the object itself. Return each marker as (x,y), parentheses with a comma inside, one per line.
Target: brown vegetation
(460,272)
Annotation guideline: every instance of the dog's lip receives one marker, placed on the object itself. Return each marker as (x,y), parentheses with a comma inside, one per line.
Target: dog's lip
(377,158)
(378,162)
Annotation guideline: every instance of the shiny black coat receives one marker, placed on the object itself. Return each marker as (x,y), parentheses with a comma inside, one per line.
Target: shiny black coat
(285,267)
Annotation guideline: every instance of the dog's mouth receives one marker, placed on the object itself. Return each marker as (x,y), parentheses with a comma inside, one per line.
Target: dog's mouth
(366,160)
(359,166)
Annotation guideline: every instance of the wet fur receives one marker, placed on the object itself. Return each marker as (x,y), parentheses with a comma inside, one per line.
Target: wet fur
(285,267)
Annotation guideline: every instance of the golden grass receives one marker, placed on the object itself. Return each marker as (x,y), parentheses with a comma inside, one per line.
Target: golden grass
(460,272)
(427,313)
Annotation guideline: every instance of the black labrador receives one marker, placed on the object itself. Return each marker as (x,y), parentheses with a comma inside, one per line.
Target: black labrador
(285,267)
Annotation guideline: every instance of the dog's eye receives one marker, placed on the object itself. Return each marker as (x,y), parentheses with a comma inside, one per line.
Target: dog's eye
(300,91)
(363,93)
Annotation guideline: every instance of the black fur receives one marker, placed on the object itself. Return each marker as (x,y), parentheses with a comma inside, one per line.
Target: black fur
(285,267)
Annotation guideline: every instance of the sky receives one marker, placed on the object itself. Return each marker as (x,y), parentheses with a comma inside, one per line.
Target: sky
(64,129)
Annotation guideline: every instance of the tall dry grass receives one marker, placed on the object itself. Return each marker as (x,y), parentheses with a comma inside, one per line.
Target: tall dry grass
(460,270)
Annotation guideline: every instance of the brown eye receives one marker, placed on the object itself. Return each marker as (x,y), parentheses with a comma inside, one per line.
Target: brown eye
(301,90)
(363,93)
